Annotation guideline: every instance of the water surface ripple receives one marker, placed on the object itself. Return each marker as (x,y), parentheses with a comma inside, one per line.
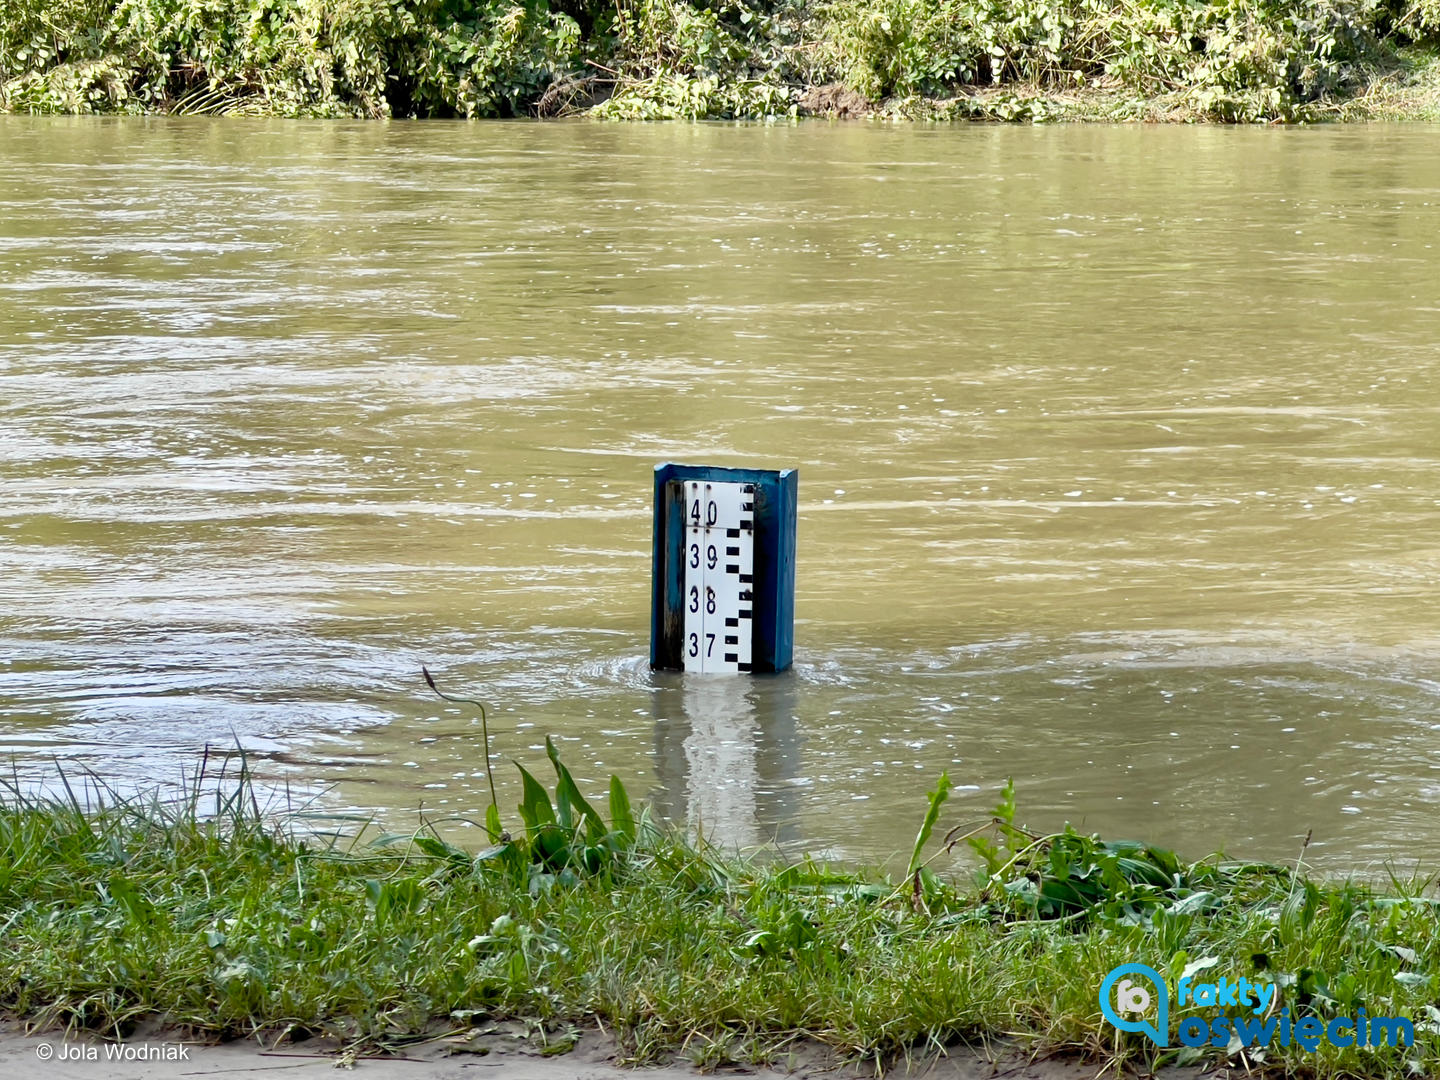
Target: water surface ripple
(1118,455)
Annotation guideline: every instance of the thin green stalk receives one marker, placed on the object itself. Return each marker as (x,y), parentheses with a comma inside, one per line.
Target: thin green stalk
(484,726)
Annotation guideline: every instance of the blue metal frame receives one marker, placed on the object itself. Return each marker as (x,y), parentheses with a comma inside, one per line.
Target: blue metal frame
(776,503)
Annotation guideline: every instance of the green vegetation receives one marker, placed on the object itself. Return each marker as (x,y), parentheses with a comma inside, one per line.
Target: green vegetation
(1226,60)
(208,914)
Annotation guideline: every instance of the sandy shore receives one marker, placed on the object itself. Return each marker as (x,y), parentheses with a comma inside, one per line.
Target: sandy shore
(165,1056)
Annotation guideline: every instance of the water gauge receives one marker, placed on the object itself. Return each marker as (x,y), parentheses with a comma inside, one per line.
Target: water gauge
(723,596)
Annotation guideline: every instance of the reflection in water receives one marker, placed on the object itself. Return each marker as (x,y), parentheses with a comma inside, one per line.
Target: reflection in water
(727,756)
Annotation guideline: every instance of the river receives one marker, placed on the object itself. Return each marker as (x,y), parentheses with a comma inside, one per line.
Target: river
(1118,453)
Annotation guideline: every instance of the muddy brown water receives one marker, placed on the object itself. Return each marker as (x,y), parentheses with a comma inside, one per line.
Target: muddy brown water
(1119,454)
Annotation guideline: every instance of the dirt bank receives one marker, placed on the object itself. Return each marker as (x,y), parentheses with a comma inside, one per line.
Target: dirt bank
(498,1052)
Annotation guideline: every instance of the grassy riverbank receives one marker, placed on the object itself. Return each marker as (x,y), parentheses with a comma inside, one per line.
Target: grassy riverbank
(1223,60)
(209,915)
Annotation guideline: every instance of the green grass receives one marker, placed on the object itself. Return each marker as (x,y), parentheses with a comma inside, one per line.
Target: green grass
(208,913)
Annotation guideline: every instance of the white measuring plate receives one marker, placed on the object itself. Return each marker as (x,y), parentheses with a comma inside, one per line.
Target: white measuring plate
(719,557)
